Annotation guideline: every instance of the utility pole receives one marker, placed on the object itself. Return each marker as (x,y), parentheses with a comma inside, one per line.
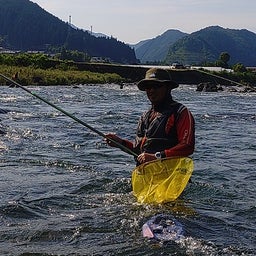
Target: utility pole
(68,31)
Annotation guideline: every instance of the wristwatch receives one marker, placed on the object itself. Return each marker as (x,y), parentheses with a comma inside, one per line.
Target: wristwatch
(158,155)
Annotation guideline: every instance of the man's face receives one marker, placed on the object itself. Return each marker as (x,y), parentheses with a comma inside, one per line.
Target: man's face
(156,92)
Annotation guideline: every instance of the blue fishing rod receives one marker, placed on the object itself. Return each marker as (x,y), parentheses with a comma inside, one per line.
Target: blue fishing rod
(119,145)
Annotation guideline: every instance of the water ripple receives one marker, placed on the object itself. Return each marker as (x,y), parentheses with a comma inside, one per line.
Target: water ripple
(64,192)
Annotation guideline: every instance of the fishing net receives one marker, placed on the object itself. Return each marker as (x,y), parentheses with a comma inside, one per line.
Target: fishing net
(161,180)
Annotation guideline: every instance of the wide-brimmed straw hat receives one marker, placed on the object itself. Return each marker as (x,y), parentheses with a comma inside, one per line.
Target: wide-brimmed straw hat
(158,76)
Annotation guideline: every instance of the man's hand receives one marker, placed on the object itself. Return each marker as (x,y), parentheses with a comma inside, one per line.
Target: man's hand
(146,157)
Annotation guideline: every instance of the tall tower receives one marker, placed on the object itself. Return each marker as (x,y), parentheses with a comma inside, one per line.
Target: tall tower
(68,31)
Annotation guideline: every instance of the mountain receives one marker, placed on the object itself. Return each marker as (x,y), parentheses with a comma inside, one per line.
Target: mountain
(207,44)
(156,49)
(24,25)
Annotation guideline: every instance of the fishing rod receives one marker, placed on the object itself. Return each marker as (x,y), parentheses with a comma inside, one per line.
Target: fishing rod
(121,146)
(223,78)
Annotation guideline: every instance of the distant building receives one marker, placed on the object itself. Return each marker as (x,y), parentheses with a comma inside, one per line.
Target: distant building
(3,50)
(100,60)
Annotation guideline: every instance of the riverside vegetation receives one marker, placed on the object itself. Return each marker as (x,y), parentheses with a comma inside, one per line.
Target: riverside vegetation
(56,76)
(39,69)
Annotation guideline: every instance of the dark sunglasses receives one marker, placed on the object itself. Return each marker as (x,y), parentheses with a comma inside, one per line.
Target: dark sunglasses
(154,86)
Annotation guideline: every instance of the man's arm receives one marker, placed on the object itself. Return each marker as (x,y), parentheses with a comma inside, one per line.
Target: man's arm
(185,126)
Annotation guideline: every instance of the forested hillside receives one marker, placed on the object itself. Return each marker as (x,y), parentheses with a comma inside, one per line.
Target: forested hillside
(207,44)
(26,26)
(156,49)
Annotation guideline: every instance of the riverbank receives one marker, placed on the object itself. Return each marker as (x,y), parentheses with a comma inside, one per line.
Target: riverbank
(97,73)
(134,73)
(57,76)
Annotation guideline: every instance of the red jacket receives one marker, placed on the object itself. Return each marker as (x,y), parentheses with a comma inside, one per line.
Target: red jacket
(169,128)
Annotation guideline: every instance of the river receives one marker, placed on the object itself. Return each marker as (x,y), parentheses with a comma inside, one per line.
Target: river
(65,192)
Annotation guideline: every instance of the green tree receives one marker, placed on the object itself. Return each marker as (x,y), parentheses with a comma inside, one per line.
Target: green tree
(225,57)
(239,67)
(223,60)
(73,55)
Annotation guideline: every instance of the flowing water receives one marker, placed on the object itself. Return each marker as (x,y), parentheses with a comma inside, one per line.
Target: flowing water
(64,192)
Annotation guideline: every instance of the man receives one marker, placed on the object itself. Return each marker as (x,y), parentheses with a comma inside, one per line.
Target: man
(167,128)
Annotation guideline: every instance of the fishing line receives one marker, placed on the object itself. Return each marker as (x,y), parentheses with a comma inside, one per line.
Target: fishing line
(125,149)
(220,77)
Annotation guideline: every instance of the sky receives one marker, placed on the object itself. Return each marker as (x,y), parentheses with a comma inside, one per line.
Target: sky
(132,21)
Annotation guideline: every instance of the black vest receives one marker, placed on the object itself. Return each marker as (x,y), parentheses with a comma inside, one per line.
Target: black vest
(160,133)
